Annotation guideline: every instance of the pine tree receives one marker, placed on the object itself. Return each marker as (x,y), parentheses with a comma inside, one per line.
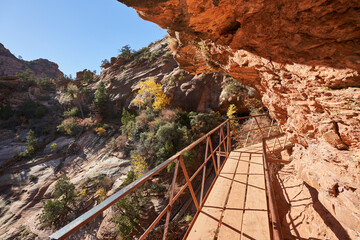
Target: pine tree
(31,142)
(101,97)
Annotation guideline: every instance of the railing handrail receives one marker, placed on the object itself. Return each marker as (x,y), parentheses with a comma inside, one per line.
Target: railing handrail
(80,221)
(274,216)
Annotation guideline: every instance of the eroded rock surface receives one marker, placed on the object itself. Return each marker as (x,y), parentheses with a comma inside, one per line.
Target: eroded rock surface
(24,188)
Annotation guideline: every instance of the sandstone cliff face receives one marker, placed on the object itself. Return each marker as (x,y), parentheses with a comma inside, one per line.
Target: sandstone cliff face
(10,65)
(303,57)
(197,92)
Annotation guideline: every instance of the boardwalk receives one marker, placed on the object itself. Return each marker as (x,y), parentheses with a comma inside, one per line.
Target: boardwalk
(240,203)
(236,207)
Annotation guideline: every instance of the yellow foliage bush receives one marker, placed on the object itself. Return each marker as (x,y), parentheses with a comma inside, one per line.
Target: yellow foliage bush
(82,193)
(139,165)
(152,95)
(150,87)
(231,111)
(53,147)
(100,131)
(139,103)
(101,194)
(161,101)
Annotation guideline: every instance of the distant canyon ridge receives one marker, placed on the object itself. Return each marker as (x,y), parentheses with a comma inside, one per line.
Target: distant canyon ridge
(10,65)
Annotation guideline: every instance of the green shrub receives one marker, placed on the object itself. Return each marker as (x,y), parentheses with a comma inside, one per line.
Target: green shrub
(31,143)
(40,111)
(232,86)
(85,91)
(171,137)
(69,126)
(129,208)
(181,76)
(33,178)
(157,188)
(201,123)
(74,112)
(88,76)
(122,68)
(27,78)
(128,123)
(101,96)
(44,98)
(45,82)
(65,189)
(104,62)
(5,111)
(126,52)
(30,109)
(168,54)
(55,211)
(128,220)
(152,57)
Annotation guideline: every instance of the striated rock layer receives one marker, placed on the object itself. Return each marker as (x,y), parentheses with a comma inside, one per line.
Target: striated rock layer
(304,58)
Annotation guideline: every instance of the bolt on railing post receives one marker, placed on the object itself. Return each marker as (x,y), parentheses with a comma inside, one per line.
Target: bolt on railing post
(170,200)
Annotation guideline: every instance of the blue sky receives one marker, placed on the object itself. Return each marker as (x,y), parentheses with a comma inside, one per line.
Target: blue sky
(75,34)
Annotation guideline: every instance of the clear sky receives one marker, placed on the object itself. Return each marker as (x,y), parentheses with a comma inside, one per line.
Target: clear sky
(75,34)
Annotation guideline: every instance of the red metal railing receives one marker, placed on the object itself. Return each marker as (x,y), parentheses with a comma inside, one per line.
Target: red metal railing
(226,132)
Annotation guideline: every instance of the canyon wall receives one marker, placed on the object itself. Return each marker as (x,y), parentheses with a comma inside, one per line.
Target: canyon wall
(304,58)
(188,92)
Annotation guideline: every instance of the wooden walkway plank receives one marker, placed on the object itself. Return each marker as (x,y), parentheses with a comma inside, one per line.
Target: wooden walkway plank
(236,207)
(255,220)
(232,218)
(206,224)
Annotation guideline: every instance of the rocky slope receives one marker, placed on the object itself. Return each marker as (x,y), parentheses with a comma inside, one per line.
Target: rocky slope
(10,65)
(304,59)
(189,92)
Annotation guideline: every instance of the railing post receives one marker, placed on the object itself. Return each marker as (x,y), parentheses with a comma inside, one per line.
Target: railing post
(252,121)
(213,157)
(189,183)
(262,134)
(241,145)
(204,172)
(170,200)
(274,217)
(272,120)
(228,136)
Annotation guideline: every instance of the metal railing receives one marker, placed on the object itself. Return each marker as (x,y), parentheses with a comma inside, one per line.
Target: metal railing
(228,133)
